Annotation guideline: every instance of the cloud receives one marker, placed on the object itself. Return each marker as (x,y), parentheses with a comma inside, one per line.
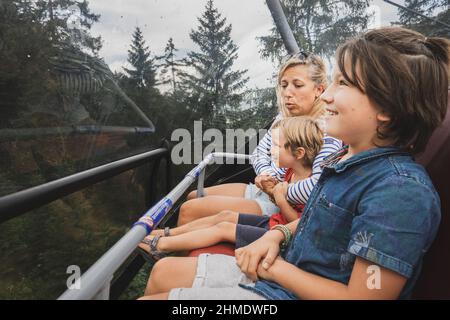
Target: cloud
(162,19)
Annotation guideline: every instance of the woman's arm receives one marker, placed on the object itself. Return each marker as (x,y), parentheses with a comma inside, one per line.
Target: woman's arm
(309,286)
(260,158)
(298,193)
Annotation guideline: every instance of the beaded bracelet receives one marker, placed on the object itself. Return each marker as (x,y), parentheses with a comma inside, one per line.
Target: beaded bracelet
(286,232)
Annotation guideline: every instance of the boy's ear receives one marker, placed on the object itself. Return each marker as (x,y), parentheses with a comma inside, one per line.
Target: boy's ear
(299,153)
(383,117)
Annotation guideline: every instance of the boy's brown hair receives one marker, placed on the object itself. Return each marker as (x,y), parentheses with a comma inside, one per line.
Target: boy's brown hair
(301,132)
(406,75)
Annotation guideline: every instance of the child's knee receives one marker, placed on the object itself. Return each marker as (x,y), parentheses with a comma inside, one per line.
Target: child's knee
(187,211)
(227,230)
(156,281)
(192,195)
(227,215)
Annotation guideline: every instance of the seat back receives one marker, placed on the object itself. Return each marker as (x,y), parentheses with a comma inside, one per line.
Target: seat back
(434,281)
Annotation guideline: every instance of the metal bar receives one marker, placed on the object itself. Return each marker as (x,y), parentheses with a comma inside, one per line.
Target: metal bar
(418,13)
(88,129)
(201,179)
(131,103)
(110,262)
(200,184)
(20,202)
(283,26)
(126,275)
(103,293)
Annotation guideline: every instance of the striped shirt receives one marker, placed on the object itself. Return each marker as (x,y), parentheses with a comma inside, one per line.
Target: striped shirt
(298,193)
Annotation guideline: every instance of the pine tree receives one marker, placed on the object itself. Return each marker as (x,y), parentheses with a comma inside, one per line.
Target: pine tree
(215,88)
(67,21)
(437,9)
(319,26)
(170,66)
(143,71)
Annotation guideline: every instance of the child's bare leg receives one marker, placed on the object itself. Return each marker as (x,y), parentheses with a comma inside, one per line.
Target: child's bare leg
(223,216)
(158,296)
(171,273)
(227,189)
(201,238)
(204,207)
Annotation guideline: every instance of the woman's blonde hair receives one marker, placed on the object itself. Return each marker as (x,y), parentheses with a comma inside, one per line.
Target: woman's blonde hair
(301,132)
(317,73)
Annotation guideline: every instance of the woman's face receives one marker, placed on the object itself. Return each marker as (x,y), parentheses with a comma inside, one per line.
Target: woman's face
(350,114)
(298,91)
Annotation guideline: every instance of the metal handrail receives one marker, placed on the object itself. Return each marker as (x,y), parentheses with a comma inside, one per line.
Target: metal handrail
(95,282)
(18,203)
(81,129)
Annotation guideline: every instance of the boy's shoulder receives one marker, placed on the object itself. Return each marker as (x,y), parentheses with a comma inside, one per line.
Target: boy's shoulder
(388,170)
(405,186)
(401,167)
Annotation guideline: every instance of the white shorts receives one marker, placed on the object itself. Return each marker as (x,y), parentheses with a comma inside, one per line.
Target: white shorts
(268,208)
(217,278)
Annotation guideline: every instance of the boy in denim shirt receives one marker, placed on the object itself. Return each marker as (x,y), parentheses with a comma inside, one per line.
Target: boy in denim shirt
(373,213)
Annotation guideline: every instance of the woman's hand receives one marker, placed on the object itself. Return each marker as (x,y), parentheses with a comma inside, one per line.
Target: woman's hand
(264,250)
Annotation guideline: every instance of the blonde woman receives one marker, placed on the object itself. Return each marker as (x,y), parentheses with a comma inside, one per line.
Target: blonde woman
(301,80)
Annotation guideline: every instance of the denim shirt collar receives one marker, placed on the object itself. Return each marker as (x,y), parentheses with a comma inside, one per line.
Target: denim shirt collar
(331,161)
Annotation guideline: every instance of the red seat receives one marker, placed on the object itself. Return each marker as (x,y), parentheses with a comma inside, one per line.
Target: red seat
(434,282)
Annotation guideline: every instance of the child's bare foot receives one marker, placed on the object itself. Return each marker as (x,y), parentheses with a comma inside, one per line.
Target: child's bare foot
(161,232)
(157,232)
(158,246)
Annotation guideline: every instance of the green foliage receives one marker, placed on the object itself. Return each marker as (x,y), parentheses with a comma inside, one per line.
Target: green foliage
(142,74)
(40,40)
(170,68)
(214,88)
(435,9)
(67,20)
(319,26)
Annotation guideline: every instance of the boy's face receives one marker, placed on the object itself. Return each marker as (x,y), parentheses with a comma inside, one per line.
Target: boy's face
(281,156)
(350,116)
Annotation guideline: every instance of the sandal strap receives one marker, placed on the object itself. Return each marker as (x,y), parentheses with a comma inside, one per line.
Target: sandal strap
(154,252)
(154,242)
(167,232)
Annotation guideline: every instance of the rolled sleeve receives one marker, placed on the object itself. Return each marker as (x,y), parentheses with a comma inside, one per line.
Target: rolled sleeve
(395,224)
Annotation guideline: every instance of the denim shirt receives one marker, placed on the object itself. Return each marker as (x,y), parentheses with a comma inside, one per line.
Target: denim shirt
(379,205)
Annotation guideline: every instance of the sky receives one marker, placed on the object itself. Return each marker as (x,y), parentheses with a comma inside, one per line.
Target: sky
(162,19)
